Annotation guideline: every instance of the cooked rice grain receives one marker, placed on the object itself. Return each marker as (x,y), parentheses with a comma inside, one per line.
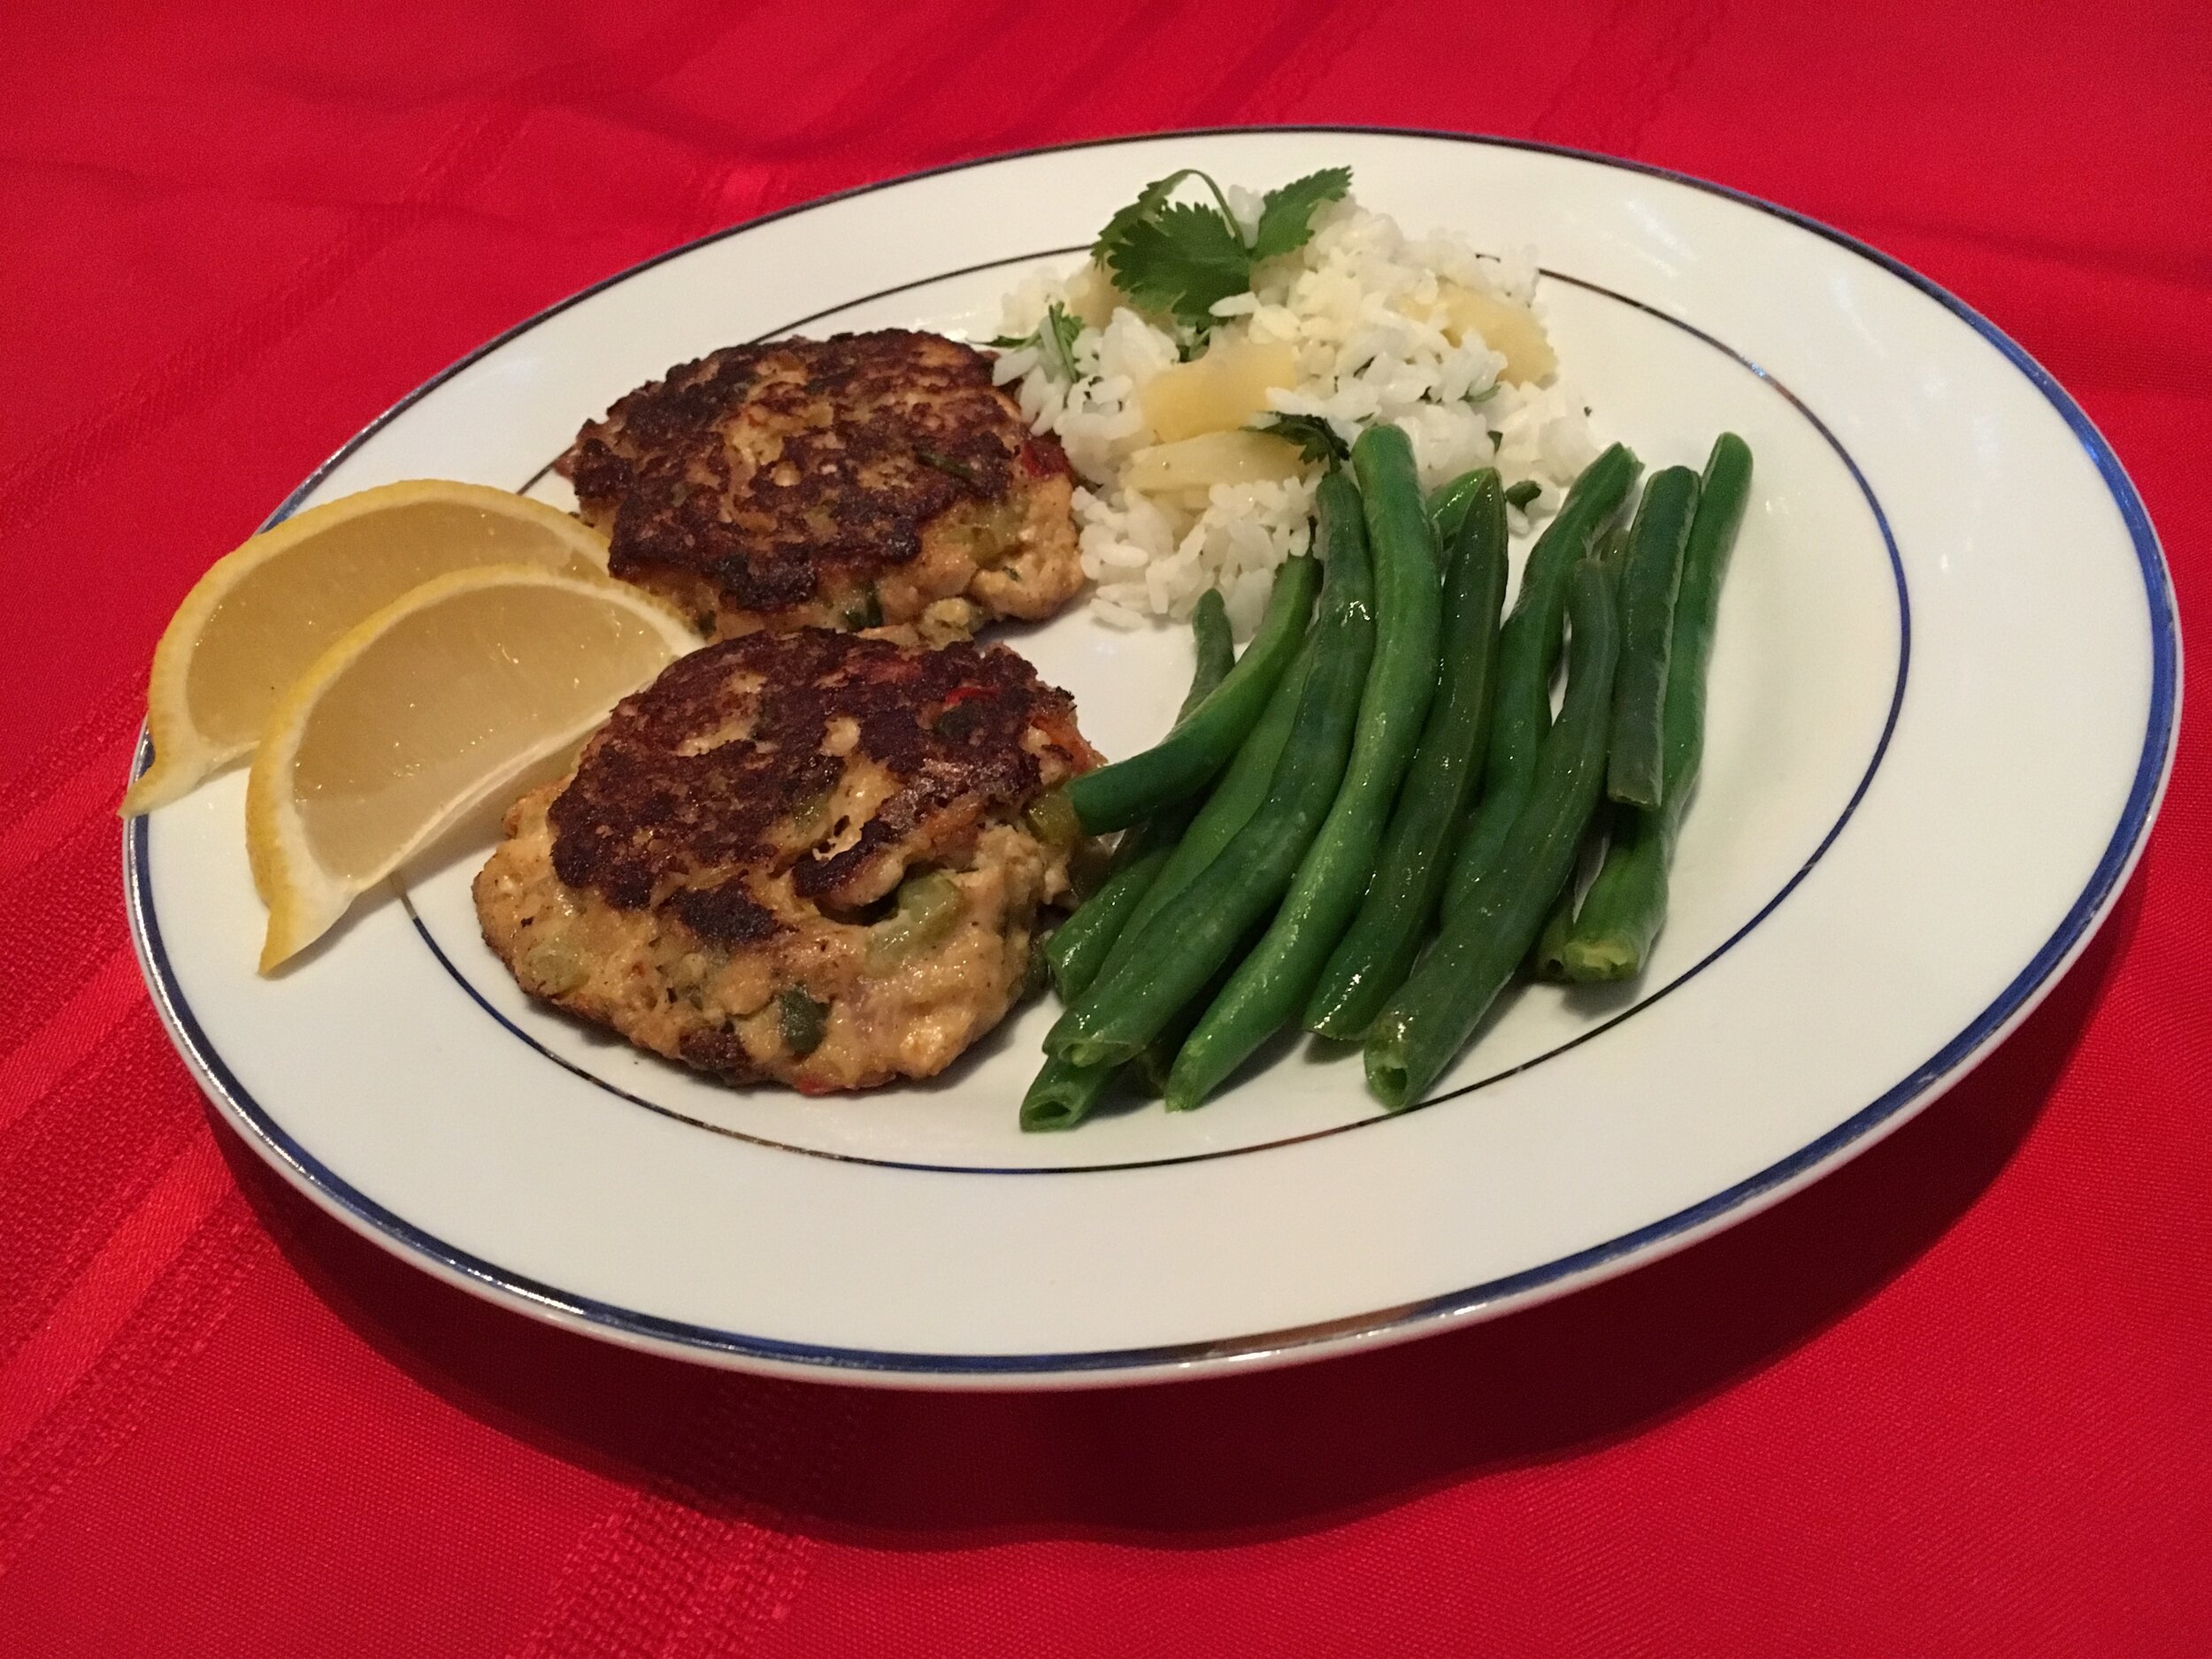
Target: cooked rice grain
(1356,303)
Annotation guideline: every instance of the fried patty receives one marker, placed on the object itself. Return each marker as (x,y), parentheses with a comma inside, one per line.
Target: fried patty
(804,856)
(864,480)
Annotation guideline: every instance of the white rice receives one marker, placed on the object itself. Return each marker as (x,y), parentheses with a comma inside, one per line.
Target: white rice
(1352,303)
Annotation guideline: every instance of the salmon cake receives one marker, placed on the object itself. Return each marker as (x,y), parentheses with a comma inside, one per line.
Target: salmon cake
(864,480)
(816,857)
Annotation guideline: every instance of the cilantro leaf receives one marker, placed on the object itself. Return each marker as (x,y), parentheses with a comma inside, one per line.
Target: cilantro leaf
(1287,215)
(1316,439)
(1523,493)
(1062,325)
(1149,201)
(1180,260)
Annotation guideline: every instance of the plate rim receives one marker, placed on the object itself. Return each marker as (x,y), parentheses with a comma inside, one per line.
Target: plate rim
(1855,1134)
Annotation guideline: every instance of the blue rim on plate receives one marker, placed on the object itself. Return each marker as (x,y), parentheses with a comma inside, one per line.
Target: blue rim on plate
(2012,1004)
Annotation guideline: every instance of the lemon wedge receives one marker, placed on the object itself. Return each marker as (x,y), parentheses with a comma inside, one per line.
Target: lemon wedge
(263,613)
(417,713)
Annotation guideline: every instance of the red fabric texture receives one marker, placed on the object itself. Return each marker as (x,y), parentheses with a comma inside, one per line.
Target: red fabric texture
(1956,1399)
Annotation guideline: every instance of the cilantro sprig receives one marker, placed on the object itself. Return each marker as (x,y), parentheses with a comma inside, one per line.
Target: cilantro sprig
(1180,259)
(1316,439)
(1054,339)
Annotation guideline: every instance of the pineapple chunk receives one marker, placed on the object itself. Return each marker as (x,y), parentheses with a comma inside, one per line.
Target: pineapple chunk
(1191,466)
(1092,296)
(1219,391)
(1510,330)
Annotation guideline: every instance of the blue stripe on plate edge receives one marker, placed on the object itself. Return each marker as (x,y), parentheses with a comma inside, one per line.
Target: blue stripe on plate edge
(2018,999)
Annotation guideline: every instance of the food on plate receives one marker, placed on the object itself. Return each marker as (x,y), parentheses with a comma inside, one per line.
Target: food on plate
(864,480)
(262,614)
(1179,844)
(813,857)
(1401,824)
(1270,985)
(1221,349)
(1380,943)
(1650,577)
(1611,935)
(1436,1010)
(823,850)
(1179,951)
(1528,654)
(413,716)
(1218,392)
(1448,502)
(1078,947)
(1224,810)
(1203,740)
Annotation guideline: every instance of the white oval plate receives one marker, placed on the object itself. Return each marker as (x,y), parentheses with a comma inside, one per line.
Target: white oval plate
(1943,706)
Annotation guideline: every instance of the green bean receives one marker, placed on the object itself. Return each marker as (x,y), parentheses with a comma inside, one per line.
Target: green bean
(1528,649)
(1448,507)
(1650,573)
(1229,807)
(1622,912)
(1271,984)
(1079,946)
(1171,957)
(1544,959)
(1437,1009)
(1626,905)
(1543,956)
(1213,649)
(1181,763)
(1153,1066)
(1156,1061)
(1062,1095)
(1372,960)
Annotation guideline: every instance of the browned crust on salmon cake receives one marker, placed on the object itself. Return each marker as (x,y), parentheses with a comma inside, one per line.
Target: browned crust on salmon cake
(866,479)
(801,856)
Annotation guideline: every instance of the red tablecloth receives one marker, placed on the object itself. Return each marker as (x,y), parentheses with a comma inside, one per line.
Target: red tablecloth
(1956,1399)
